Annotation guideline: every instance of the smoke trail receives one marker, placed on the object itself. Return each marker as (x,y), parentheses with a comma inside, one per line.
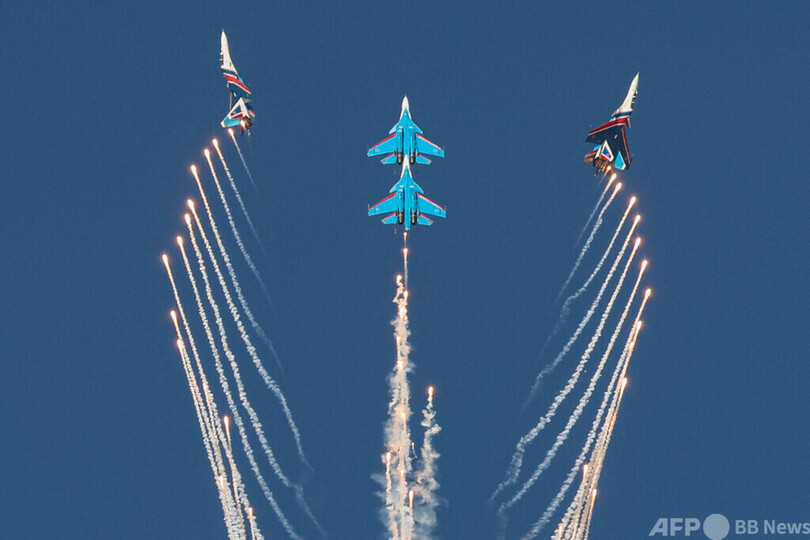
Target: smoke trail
(425,514)
(517,458)
(397,437)
(257,426)
(589,483)
(587,245)
(230,513)
(231,222)
(561,438)
(405,257)
(600,449)
(242,157)
(596,206)
(555,503)
(203,411)
(241,297)
(224,439)
(221,371)
(566,309)
(238,195)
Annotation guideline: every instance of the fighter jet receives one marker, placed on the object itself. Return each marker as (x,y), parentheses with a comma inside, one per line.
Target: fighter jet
(407,204)
(405,139)
(241,113)
(611,148)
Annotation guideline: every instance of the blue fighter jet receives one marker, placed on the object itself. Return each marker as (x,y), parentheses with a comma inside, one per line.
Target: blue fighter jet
(241,113)
(407,204)
(611,148)
(405,139)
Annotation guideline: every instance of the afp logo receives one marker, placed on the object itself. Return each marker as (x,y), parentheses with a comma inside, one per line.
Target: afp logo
(715,527)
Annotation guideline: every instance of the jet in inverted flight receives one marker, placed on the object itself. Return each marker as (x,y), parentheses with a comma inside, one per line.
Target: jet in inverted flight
(241,113)
(611,148)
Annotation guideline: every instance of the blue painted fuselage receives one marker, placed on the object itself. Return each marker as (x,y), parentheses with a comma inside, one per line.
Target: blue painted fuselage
(407,205)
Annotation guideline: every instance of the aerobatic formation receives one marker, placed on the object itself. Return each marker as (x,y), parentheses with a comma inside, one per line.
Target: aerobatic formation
(223,350)
(406,205)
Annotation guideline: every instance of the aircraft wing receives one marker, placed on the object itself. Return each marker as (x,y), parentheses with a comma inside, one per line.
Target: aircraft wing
(235,83)
(615,133)
(426,206)
(242,110)
(387,205)
(387,146)
(424,146)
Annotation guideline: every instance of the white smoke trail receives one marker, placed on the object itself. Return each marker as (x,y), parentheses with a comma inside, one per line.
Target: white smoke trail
(221,371)
(230,513)
(268,380)
(555,503)
(596,206)
(405,257)
(600,449)
(242,300)
(390,512)
(517,458)
(563,435)
(587,245)
(580,505)
(566,308)
(232,223)
(242,157)
(397,437)
(238,195)
(427,485)
(203,411)
(224,440)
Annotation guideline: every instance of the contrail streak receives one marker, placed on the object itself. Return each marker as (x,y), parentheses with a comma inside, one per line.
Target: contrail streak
(584,249)
(555,503)
(566,309)
(257,425)
(221,371)
(242,157)
(239,295)
(207,425)
(232,223)
(596,206)
(238,195)
(517,457)
(598,456)
(425,511)
(230,513)
(561,438)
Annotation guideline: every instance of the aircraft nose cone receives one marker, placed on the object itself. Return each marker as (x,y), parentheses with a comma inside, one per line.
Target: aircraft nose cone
(405,104)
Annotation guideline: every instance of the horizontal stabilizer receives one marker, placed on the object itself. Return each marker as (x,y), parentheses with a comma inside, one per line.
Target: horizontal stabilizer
(390,219)
(389,159)
(422,160)
(424,220)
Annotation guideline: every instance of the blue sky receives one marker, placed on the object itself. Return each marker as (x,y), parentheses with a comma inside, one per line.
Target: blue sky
(106,107)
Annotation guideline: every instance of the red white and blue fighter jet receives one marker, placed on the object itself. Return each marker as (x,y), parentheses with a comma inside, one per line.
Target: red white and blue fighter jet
(405,139)
(611,148)
(241,113)
(407,204)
